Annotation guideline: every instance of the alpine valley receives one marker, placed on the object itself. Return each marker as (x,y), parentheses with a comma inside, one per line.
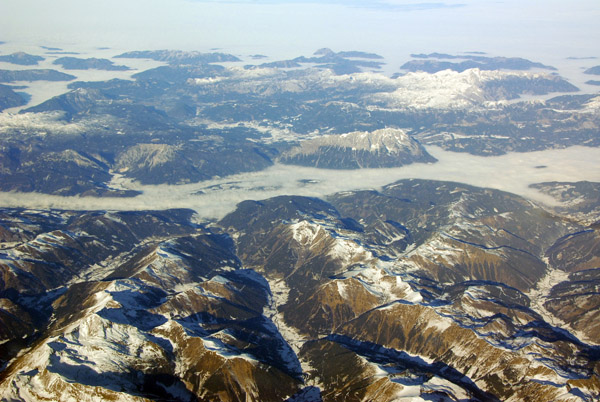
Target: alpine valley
(417,290)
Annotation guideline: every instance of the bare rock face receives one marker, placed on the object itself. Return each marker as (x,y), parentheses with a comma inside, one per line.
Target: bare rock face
(379,148)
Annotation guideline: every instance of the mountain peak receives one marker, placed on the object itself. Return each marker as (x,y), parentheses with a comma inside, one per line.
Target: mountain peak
(388,147)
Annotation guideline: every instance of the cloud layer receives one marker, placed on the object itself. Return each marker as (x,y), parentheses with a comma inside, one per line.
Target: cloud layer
(213,199)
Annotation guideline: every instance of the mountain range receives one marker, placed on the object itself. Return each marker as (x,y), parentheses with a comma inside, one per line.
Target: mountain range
(420,289)
(423,288)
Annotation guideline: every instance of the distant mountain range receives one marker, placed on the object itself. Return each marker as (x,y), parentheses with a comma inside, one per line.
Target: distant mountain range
(75,63)
(593,70)
(9,98)
(206,120)
(21,58)
(435,62)
(34,75)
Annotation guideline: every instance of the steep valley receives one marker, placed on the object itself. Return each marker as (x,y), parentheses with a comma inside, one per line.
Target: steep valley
(422,289)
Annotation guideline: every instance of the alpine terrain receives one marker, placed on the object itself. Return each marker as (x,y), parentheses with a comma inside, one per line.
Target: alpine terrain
(423,289)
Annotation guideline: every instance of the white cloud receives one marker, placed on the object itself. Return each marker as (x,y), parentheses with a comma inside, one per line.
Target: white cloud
(37,123)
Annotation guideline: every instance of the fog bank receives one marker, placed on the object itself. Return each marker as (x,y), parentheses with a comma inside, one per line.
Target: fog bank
(213,199)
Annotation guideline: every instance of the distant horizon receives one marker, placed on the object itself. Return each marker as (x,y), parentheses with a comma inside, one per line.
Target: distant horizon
(571,68)
(548,31)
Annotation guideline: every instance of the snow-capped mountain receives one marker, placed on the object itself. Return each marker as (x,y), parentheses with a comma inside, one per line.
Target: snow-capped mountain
(380,148)
(471,88)
(421,289)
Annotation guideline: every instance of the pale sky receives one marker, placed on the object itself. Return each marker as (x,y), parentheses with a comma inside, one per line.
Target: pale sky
(543,30)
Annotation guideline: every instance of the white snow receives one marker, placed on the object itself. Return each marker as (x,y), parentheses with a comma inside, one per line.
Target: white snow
(412,387)
(439,384)
(217,346)
(388,139)
(440,323)
(220,279)
(305,232)
(540,293)
(342,289)
(593,105)
(347,251)
(163,252)
(279,297)
(445,89)
(435,249)
(38,124)
(380,279)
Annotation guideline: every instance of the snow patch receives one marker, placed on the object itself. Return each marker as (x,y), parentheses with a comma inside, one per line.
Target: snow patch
(305,232)
(540,294)
(447,89)
(348,251)
(279,296)
(341,287)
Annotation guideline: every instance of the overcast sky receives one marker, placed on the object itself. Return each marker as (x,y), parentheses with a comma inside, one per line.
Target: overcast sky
(547,29)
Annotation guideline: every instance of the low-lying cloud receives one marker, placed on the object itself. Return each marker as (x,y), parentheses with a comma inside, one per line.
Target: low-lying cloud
(213,199)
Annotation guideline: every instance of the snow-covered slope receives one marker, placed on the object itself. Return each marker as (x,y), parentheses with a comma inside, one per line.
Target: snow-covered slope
(421,289)
(471,88)
(380,148)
